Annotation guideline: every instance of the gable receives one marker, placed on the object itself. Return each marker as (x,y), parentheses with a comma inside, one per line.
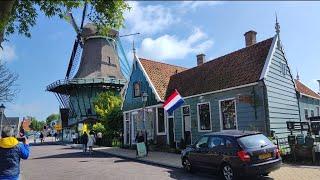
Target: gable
(235,69)
(305,90)
(138,75)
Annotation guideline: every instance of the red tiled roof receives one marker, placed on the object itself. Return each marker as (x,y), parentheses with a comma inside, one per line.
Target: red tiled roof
(159,74)
(237,68)
(305,90)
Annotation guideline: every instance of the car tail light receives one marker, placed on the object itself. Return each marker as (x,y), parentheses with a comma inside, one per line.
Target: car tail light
(244,156)
(277,153)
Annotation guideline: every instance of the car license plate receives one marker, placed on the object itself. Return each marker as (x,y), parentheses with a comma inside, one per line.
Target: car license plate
(265,156)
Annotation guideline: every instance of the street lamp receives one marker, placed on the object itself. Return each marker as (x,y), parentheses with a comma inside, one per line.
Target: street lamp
(2,107)
(144,100)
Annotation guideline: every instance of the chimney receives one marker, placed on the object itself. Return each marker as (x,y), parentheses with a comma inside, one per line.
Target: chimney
(201,58)
(250,38)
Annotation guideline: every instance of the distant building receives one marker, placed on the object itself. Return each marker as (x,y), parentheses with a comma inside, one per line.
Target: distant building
(12,122)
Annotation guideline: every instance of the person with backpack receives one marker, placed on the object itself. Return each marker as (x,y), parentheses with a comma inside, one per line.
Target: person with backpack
(11,152)
(84,141)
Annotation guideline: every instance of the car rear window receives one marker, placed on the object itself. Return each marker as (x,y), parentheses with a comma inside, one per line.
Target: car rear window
(253,141)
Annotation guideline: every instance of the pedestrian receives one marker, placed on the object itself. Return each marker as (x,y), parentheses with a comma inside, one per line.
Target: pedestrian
(41,137)
(74,138)
(77,138)
(99,138)
(91,141)
(55,136)
(84,139)
(11,151)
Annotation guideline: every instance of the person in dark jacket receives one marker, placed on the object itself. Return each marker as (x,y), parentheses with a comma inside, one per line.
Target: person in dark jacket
(11,151)
(84,141)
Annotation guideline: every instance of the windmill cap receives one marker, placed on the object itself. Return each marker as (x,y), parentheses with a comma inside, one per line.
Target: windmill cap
(91,30)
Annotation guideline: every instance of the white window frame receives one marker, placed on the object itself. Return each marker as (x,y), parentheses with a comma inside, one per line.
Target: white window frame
(198,117)
(165,124)
(220,113)
(182,122)
(304,113)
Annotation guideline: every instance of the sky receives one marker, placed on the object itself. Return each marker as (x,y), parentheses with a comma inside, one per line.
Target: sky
(171,32)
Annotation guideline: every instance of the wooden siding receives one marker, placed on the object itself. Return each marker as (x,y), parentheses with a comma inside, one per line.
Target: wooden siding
(250,116)
(131,102)
(281,95)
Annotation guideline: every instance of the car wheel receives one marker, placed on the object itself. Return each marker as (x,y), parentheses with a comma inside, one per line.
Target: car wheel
(187,165)
(227,172)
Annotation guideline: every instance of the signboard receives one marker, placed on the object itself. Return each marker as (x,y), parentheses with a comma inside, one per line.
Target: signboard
(142,150)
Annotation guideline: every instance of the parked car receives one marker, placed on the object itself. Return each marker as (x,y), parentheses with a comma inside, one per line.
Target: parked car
(233,153)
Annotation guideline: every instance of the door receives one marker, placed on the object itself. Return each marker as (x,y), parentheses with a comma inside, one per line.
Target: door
(134,119)
(171,132)
(186,124)
(198,157)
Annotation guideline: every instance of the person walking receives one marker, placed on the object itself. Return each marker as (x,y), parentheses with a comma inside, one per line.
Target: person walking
(74,138)
(85,141)
(41,137)
(99,138)
(55,136)
(91,141)
(11,152)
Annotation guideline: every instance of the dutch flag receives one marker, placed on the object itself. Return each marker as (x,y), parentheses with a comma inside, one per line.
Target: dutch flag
(173,102)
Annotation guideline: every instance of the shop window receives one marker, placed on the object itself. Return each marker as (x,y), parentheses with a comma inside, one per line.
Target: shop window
(312,113)
(204,119)
(228,114)
(306,115)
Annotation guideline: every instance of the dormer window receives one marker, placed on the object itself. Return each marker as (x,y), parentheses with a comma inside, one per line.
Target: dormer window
(136,89)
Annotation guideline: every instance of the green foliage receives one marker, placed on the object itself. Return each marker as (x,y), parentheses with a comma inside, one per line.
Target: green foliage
(36,125)
(52,117)
(23,16)
(107,102)
(98,127)
(108,107)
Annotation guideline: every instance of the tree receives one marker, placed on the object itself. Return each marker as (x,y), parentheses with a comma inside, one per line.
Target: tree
(21,15)
(36,125)
(98,127)
(108,107)
(106,102)
(52,117)
(8,89)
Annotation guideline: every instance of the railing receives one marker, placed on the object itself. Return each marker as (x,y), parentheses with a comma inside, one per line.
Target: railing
(106,80)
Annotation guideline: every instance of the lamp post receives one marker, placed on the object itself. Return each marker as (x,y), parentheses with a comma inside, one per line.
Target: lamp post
(144,100)
(2,107)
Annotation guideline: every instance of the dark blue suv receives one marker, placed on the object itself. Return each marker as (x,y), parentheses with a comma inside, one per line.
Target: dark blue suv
(233,153)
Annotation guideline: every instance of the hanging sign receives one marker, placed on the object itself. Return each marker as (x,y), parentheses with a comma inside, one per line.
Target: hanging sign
(142,150)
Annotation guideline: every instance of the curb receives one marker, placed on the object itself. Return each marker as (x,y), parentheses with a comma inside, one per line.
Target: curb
(140,160)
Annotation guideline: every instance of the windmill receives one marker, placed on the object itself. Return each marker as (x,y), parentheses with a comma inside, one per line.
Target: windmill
(97,64)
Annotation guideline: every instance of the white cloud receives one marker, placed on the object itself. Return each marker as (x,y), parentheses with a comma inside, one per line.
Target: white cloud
(169,47)
(148,19)
(196,4)
(7,53)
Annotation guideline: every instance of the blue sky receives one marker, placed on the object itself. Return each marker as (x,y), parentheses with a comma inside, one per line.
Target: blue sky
(172,32)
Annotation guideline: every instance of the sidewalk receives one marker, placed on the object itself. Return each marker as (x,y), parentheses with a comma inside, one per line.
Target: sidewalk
(159,158)
(286,172)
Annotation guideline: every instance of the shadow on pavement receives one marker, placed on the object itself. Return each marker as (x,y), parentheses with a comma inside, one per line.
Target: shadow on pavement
(75,155)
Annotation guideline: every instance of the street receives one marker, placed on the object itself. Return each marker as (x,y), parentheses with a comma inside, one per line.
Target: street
(53,162)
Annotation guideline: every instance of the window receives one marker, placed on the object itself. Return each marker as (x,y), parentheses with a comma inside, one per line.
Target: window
(283,69)
(312,113)
(306,115)
(318,111)
(161,127)
(216,142)
(203,142)
(253,141)
(136,89)
(204,120)
(228,114)
(229,144)
(186,124)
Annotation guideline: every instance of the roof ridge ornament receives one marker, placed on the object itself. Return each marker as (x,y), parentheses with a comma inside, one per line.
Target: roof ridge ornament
(298,77)
(277,27)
